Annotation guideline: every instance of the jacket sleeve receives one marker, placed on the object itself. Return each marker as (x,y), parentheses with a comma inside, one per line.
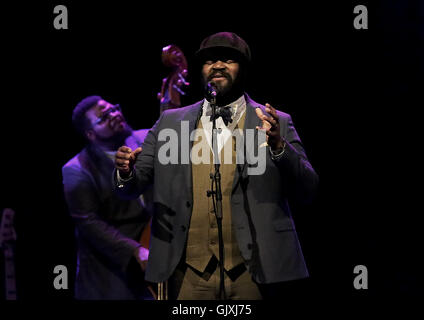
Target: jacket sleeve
(83,203)
(303,180)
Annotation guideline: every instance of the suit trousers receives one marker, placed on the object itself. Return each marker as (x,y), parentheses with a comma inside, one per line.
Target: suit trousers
(188,283)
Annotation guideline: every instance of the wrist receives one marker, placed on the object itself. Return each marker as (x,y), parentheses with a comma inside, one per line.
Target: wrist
(123,175)
(277,154)
(279,147)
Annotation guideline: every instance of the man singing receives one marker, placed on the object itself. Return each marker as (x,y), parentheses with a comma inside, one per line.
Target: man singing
(261,247)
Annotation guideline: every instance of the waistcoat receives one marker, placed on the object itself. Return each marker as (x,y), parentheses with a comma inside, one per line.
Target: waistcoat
(202,242)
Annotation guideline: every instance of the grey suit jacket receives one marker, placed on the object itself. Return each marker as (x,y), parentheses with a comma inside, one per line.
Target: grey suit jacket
(260,210)
(107,227)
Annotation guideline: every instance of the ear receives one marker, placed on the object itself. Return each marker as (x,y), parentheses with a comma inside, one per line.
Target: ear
(90,135)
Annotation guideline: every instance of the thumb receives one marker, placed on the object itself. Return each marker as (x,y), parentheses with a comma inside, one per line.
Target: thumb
(135,153)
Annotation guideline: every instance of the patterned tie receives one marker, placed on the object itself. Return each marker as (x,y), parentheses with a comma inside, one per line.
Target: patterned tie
(225,113)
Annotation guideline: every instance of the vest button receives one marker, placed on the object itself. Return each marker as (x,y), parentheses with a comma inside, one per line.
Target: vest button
(188,204)
(183,228)
(249,246)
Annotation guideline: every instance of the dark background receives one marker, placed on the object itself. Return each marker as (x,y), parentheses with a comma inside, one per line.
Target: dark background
(354,96)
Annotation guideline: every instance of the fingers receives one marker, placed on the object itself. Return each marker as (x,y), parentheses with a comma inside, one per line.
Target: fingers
(259,113)
(271,110)
(273,123)
(265,124)
(273,119)
(134,154)
(125,149)
(125,158)
(123,153)
(274,129)
(268,122)
(270,125)
(122,158)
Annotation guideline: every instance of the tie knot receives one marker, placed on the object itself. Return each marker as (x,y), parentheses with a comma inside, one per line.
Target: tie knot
(225,113)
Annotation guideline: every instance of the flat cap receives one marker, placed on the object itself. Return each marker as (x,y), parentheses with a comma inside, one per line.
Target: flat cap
(224,41)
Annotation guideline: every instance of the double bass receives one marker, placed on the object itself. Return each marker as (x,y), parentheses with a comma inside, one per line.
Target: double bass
(170,98)
(173,85)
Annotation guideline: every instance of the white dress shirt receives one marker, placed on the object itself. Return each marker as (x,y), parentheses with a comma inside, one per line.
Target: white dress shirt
(238,108)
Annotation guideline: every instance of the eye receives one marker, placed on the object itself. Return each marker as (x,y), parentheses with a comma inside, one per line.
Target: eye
(230,61)
(103,118)
(209,62)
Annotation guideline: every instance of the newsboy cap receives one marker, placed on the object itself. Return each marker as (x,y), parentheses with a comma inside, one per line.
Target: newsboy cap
(226,41)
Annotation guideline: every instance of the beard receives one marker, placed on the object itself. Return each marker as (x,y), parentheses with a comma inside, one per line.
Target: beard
(228,92)
(115,140)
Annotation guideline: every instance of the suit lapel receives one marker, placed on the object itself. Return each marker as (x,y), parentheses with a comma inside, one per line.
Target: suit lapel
(192,116)
(251,122)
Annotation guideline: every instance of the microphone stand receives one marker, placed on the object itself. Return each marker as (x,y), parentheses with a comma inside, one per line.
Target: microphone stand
(217,198)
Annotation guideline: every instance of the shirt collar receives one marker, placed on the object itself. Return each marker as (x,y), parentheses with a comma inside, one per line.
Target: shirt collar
(237,107)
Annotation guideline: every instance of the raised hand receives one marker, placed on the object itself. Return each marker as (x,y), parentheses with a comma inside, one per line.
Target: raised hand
(271,126)
(124,160)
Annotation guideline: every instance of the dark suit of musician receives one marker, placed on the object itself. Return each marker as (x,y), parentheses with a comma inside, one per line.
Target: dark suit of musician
(261,246)
(107,227)
(261,215)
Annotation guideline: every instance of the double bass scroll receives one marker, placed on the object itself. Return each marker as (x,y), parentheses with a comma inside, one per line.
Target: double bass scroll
(173,85)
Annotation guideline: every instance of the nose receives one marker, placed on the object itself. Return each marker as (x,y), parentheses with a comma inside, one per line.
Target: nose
(113,113)
(110,112)
(218,65)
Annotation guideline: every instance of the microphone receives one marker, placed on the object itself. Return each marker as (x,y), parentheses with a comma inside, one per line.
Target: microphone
(210,89)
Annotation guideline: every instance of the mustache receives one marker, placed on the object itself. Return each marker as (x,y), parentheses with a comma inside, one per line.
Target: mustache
(218,74)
